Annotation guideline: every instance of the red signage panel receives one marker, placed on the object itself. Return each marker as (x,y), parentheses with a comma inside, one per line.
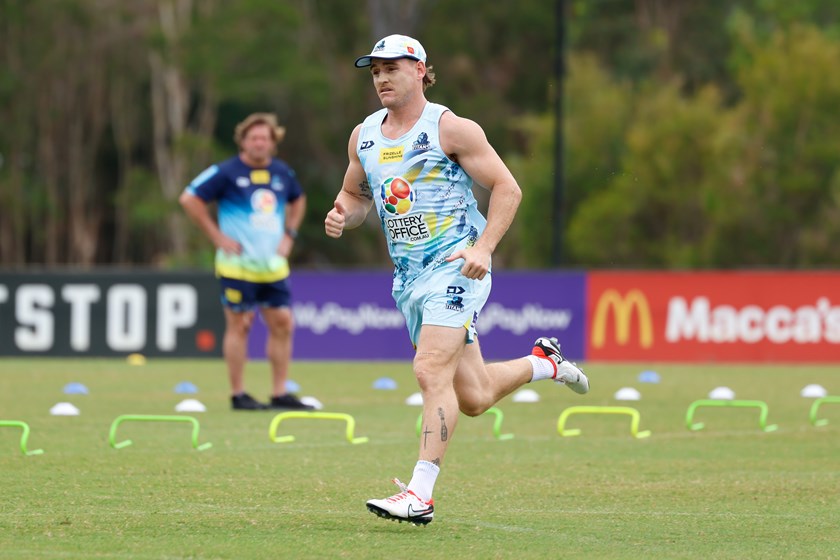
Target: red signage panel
(714,316)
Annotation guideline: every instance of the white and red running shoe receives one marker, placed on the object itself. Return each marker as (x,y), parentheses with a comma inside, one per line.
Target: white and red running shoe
(404,506)
(565,372)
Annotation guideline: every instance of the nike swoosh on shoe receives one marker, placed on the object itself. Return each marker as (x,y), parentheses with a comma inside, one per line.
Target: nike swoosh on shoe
(421,513)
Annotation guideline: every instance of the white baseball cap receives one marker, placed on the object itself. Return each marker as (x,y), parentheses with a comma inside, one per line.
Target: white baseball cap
(394,46)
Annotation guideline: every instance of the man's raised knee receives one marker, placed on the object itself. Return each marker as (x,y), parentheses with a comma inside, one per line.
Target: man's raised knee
(472,408)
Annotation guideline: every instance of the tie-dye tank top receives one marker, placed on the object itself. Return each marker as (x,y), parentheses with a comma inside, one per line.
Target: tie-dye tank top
(424,200)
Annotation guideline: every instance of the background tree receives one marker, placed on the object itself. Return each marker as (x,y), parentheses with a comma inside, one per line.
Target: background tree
(699,134)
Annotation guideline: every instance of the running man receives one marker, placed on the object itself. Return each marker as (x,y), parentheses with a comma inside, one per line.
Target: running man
(416,162)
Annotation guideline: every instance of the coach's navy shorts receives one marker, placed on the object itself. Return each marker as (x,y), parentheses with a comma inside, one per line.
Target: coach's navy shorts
(240,295)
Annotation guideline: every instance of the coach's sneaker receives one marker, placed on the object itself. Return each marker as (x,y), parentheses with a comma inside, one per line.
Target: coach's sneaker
(405,506)
(288,402)
(565,372)
(246,402)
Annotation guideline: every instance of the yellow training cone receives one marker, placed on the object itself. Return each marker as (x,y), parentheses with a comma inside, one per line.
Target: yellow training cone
(136,359)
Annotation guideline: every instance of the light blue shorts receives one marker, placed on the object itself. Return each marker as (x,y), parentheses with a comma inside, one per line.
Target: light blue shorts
(443,297)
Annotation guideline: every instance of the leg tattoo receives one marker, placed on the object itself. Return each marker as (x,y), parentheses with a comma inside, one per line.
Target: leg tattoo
(426,433)
(444,433)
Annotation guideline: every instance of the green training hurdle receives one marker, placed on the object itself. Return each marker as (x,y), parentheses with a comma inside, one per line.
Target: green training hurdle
(112,436)
(23,437)
(632,412)
(761,405)
(349,420)
(497,423)
(816,406)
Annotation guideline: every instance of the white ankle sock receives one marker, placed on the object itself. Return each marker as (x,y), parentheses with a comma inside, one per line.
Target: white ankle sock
(541,368)
(423,481)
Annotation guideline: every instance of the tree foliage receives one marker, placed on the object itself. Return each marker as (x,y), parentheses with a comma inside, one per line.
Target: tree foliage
(704,184)
(698,134)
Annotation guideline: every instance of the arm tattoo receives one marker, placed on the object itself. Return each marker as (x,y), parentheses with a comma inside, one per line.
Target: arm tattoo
(444,433)
(365,190)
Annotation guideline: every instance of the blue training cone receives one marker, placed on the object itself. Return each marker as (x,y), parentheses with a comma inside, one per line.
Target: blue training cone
(648,377)
(75,389)
(385,384)
(186,387)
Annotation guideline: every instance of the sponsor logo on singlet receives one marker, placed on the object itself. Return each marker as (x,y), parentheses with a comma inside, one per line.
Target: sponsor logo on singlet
(408,228)
(422,144)
(391,155)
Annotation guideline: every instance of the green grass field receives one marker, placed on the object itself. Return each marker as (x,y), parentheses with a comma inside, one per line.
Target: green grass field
(728,491)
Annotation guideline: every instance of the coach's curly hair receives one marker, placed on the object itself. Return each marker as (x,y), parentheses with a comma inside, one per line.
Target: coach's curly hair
(277,132)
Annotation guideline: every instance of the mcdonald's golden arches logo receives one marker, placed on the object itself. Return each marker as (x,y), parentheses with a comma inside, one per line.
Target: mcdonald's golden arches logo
(622,308)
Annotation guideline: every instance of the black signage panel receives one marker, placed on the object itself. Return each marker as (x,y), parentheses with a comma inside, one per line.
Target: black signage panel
(110,313)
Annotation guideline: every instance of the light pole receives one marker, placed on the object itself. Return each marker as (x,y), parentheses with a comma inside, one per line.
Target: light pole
(559,168)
